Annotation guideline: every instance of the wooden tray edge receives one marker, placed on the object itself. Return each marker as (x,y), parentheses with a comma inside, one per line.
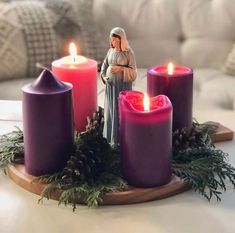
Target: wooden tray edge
(133,195)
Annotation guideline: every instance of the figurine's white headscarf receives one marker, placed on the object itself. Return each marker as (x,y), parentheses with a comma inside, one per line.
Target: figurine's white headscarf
(120,32)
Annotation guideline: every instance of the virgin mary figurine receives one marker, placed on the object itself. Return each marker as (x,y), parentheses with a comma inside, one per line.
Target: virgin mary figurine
(118,71)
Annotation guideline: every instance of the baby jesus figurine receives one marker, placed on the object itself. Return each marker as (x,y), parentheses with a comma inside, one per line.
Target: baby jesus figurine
(118,71)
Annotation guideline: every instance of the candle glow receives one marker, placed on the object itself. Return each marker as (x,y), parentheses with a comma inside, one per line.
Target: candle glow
(170,68)
(146,102)
(73,51)
(73,59)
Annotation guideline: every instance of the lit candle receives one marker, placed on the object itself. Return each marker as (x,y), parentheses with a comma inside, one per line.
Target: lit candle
(177,83)
(145,139)
(81,72)
(47,124)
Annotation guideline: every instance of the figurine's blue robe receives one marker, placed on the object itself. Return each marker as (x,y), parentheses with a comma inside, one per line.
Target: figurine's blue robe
(115,85)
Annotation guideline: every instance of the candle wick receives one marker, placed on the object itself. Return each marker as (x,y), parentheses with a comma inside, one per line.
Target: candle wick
(74,58)
(40,66)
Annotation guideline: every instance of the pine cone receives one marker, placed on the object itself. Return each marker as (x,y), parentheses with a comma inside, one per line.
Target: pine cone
(96,122)
(196,137)
(92,153)
(89,159)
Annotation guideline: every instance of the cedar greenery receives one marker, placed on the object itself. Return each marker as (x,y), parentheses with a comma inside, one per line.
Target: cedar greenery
(94,167)
(11,148)
(206,173)
(196,159)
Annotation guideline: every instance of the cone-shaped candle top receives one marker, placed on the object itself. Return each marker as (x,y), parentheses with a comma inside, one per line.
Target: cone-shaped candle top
(46,83)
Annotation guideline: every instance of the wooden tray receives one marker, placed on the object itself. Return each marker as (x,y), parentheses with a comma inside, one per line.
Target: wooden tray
(132,195)
(222,134)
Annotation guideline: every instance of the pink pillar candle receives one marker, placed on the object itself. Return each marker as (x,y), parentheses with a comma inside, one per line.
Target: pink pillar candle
(145,139)
(81,72)
(178,86)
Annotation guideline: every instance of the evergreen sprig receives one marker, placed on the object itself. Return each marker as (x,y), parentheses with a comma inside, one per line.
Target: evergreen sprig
(11,148)
(91,194)
(206,170)
(196,160)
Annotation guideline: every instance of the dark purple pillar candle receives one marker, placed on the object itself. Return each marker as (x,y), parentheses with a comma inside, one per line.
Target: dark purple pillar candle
(47,124)
(145,139)
(178,87)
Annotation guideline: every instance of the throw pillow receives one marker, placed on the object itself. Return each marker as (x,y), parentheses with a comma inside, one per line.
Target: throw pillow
(39,32)
(26,37)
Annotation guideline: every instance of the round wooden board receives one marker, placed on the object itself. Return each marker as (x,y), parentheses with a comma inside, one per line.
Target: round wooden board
(132,195)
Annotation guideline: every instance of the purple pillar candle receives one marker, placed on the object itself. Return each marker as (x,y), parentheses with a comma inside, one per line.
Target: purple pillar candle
(145,139)
(178,86)
(47,124)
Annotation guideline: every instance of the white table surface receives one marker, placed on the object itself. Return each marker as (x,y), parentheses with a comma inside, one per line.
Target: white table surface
(184,213)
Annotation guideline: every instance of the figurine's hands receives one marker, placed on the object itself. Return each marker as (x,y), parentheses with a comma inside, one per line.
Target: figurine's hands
(116,69)
(105,80)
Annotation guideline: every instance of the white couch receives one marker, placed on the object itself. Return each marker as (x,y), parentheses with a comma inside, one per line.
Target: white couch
(195,33)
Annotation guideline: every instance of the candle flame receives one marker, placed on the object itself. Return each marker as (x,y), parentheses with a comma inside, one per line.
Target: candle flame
(73,50)
(146,102)
(170,68)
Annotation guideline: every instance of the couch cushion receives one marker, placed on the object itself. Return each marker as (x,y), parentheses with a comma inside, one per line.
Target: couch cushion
(196,33)
(152,33)
(217,93)
(229,66)
(208,29)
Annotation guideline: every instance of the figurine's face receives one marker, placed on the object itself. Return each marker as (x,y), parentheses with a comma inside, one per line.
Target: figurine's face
(115,42)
